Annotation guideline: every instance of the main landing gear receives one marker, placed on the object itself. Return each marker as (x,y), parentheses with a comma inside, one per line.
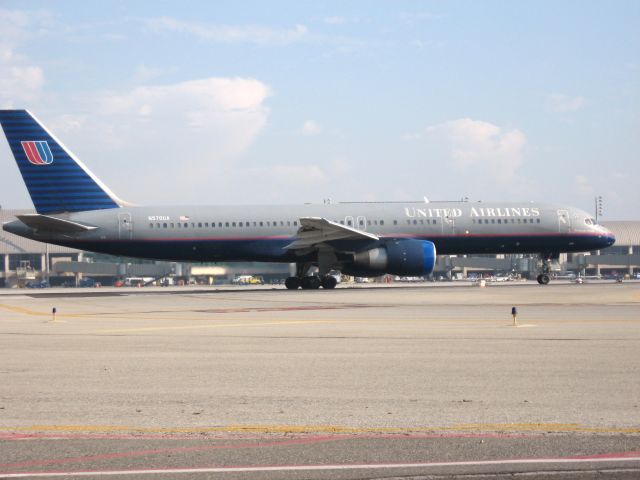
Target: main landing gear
(309,282)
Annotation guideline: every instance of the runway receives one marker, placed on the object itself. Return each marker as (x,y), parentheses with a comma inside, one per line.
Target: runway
(353,383)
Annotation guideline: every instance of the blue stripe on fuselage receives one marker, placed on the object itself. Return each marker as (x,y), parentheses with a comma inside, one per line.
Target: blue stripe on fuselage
(272,249)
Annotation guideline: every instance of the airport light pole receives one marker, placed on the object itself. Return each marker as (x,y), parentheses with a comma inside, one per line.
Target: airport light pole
(598,205)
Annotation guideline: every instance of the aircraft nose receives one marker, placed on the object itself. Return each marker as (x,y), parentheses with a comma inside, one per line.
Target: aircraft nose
(610,238)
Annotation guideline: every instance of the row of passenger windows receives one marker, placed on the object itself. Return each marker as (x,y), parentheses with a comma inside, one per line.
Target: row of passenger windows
(359,222)
(223,224)
(280,223)
(507,220)
(422,221)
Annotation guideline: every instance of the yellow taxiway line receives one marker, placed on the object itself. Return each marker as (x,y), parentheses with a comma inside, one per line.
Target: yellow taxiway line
(336,429)
(216,325)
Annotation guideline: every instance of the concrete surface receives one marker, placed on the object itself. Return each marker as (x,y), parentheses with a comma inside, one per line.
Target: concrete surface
(174,379)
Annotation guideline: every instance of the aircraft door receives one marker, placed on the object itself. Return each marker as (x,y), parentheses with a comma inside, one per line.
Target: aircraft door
(361,223)
(564,221)
(448,225)
(348,221)
(125,226)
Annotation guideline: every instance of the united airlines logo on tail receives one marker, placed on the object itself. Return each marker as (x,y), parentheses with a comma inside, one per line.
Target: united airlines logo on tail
(38,152)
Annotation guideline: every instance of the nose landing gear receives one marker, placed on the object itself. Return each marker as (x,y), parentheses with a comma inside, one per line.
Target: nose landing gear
(545,267)
(543,279)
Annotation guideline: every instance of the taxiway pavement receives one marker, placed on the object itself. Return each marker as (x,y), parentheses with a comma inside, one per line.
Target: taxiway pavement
(415,380)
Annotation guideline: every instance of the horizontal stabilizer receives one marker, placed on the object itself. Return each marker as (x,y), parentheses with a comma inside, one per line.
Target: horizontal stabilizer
(315,230)
(46,223)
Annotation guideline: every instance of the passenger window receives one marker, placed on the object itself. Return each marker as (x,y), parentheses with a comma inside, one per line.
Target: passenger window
(499,220)
(295,223)
(537,220)
(493,220)
(179,225)
(186,225)
(151,225)
(261,224)
(486,220)
(395,222)
(349,222)
(233,224)
(171,225)
(157,225)
(381,222)
(220,224)
(164,225)
(240,224)
(226,224)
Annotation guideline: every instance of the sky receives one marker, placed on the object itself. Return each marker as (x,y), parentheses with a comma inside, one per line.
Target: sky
(300,101)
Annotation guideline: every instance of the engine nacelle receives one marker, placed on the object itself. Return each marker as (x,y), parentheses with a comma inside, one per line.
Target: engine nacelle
(399,257)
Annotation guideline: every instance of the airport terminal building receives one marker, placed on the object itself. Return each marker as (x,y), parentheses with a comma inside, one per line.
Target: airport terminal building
(24,261)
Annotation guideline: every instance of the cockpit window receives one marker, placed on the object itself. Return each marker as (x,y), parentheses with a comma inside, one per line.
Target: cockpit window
(589,221)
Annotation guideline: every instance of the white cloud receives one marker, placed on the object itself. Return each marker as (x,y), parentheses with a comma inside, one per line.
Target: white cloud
(20,80)
(230,33)
(290,174)
(20,83)
(311,127)
(143,73)
(560,103)
(477,147)
(157,140)
(582,185)
(335,20)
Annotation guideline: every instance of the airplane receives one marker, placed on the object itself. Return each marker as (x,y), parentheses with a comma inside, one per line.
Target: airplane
(366,239)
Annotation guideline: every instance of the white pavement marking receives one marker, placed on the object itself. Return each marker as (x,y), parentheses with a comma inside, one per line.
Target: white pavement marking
(293,468)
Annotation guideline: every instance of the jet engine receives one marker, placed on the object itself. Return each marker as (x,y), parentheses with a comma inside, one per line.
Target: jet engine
(398,257)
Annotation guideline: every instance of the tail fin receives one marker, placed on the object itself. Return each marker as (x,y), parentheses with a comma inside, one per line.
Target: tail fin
(57,181)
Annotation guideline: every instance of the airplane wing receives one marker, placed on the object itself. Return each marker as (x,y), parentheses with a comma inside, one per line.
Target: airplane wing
(315,230)
(53,224)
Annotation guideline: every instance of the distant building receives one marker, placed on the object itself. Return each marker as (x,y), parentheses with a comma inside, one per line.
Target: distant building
(23,260)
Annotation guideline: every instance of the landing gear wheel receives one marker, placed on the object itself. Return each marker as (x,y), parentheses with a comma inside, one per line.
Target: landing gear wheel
(543,279)
(329,282)
(292,283)
(310,283)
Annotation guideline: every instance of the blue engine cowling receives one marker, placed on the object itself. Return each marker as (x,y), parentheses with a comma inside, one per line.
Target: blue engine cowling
(411,258)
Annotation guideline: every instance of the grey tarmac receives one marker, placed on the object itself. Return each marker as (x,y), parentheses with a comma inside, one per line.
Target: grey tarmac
(359,382)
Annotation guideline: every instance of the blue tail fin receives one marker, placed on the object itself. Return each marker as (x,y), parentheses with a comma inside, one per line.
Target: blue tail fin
(57,181)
